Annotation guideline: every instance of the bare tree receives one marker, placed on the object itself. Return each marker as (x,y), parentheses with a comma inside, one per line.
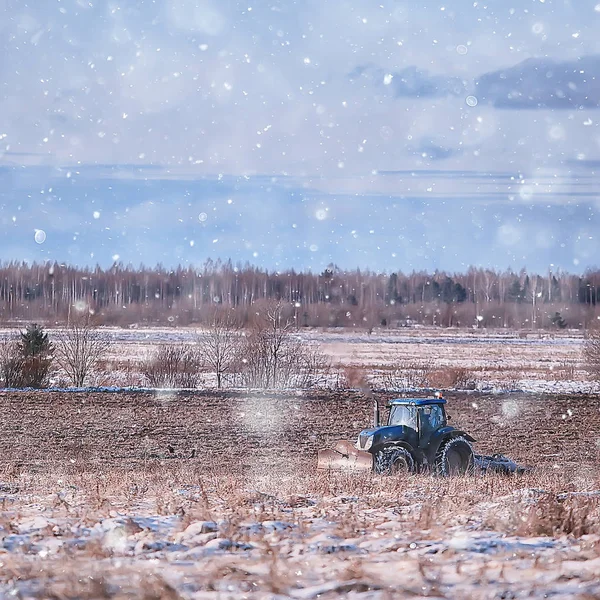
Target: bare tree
(220,345)
(273,356)
(253,365)
(277,335)
(79,347)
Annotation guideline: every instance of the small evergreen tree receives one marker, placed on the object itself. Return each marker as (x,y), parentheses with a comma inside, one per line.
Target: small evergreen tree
(391,294)
(36,352)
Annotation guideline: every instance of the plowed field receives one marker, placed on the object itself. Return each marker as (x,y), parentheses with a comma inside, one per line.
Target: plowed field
(232,432)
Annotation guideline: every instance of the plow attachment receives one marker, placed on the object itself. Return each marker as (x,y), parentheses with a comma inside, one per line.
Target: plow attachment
(498,463)
(345,457)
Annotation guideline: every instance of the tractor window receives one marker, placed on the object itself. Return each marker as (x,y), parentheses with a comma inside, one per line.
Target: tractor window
(432,417)
(403,415)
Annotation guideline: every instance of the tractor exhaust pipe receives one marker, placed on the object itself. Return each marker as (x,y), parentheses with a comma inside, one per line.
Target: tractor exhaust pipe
(376,418)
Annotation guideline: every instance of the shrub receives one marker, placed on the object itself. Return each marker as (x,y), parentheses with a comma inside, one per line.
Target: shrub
(409,375)
(565,371)
(11,363)
(591,354)
(273,357)
(173,366)
(353,377)
(315,368)
(460,378)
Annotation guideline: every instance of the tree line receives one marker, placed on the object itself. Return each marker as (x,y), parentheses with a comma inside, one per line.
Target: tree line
(124,295)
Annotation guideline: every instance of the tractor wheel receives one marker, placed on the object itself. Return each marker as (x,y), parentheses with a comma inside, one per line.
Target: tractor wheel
(394,461)
(454,457)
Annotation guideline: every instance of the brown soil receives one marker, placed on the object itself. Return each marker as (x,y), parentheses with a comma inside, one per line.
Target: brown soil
(231,432)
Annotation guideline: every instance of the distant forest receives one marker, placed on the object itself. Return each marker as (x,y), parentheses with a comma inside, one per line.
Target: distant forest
(123,295)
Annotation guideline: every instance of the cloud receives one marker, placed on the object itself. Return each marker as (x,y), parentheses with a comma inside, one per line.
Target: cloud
(367,119)
(410,82)
(227,89)
(454,174)
(435,152)
(584,164)
(202,16)
(541,83)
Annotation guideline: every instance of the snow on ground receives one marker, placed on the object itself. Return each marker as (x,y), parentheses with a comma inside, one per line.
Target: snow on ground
(497,360)
(225,544)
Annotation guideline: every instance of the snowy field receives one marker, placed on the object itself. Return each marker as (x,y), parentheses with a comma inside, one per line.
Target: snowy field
(139,535)
(490,360)
(213,496)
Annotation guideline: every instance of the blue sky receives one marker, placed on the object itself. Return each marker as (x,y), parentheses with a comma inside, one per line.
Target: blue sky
(394,136)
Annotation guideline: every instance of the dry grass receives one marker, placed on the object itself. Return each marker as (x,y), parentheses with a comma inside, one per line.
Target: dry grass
(324,519)
(553,502)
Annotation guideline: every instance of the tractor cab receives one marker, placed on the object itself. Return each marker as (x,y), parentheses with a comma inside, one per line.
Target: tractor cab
(424,415)
(414,421)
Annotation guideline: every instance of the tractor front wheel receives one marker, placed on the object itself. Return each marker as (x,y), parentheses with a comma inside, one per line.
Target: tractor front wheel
(394,461)
(454,457)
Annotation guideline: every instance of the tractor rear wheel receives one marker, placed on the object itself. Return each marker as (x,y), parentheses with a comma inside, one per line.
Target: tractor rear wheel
(454,457)
(394,460)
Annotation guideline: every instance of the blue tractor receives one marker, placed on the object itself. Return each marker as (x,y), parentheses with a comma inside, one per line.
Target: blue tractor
(416,439)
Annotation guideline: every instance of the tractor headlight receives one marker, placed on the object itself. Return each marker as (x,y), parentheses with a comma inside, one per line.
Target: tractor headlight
(364,441)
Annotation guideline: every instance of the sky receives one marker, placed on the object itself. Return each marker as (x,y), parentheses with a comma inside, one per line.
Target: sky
(390,136)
